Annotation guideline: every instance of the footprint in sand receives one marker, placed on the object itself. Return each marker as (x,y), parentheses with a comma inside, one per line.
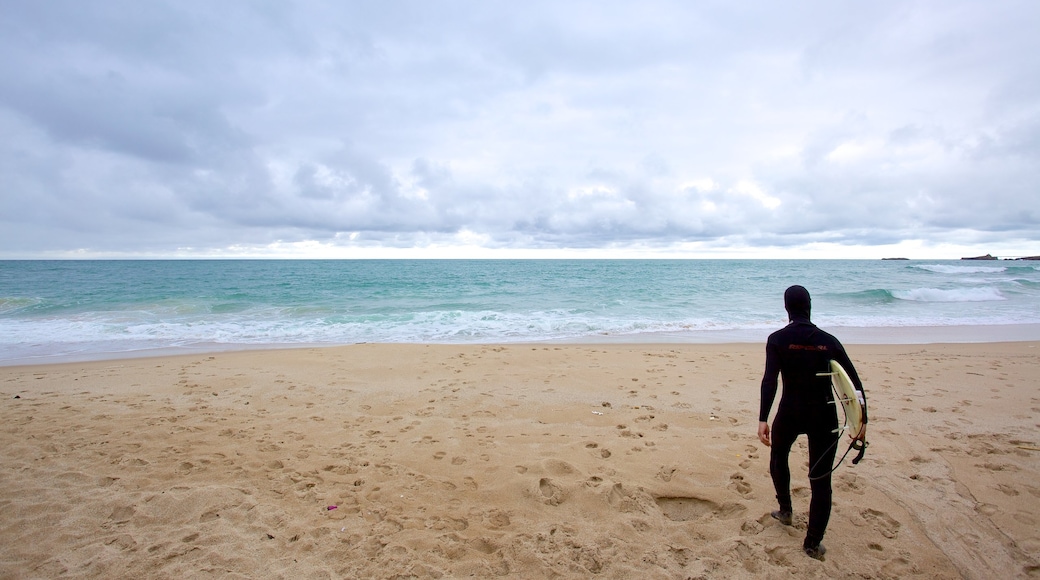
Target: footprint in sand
(623,500)
(496,519)
(751,528)
(882,522)
(897,567)
(987,509)
(447,524)
(1025,518)
(124,542)
(209,516)
(187,467)
(624,432)
(122,514)
(1007,489)
(737,484)
(552,494)
(849,483)
(666,473)
(559,468)
(684,509)
(777,556)
(596,451)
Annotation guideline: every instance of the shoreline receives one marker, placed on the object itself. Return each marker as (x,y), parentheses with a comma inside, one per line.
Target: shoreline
(915,335)
(513,460)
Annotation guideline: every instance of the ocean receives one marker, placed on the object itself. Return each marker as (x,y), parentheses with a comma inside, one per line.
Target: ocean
(77,310)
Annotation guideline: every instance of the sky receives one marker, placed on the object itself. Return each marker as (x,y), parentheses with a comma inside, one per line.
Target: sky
(455,129)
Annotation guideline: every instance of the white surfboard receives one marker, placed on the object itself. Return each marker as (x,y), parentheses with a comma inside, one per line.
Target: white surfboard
(849,397)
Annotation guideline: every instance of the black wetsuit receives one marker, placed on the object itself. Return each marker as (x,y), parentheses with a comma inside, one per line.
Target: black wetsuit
(798,352)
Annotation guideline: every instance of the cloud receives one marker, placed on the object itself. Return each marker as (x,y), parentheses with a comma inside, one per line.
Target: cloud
(178,128)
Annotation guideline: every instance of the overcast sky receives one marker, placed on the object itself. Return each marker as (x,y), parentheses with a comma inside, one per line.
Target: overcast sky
(482,128)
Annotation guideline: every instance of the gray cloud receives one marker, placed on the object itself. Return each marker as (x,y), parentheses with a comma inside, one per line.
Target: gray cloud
(201,128)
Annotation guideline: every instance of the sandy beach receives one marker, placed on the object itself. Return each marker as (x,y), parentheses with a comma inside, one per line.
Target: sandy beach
(520,460)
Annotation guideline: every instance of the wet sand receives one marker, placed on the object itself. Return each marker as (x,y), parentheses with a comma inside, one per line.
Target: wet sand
(522,460)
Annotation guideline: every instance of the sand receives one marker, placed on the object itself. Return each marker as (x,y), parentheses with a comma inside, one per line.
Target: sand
(521,461)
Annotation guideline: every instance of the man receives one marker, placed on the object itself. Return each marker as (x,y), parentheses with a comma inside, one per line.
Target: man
(798,352)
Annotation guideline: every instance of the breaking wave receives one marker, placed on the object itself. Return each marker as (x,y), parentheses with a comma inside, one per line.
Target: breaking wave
(949,269)
(952,295)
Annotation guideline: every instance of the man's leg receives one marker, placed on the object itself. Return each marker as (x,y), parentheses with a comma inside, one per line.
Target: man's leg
(783,437)
(823,445)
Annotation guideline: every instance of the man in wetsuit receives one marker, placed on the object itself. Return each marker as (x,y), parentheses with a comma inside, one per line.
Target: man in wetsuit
(798,352)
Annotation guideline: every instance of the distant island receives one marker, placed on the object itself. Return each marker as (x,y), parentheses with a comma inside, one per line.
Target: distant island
(989,257)
(986,257)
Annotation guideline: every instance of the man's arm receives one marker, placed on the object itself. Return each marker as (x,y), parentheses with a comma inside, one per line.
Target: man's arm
(769,386)
(769,382)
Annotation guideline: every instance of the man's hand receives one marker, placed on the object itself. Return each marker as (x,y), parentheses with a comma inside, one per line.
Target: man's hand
(763,432)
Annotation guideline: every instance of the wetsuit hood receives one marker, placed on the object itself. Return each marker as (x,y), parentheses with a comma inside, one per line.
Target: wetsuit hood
(797,303)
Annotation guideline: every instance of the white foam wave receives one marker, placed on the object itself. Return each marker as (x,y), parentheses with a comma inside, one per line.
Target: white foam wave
(952,295)
(124,331)
(948,269)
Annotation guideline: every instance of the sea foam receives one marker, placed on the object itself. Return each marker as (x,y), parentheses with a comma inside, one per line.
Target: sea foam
(951,295)
(951,269)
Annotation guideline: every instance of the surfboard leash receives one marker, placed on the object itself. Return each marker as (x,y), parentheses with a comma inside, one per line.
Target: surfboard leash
(860,445)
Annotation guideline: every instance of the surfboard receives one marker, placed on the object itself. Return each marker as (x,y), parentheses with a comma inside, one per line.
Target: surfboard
(849,397)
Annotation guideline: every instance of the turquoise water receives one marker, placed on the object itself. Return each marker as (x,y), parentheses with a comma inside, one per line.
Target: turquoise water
(91,309)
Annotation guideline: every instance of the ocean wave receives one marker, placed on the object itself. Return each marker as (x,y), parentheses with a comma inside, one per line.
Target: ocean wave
(984,294)
(13,304)
(872,296)
(1024,282)
(136,329)
(949,269)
